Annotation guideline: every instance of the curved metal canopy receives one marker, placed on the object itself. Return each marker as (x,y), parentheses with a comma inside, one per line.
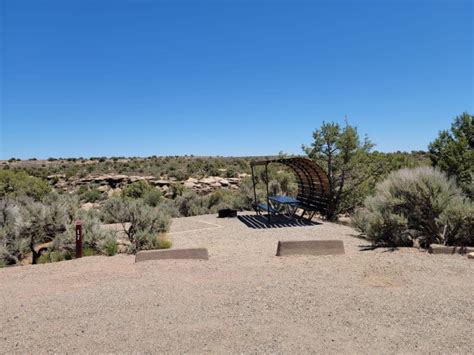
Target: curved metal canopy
(313,183)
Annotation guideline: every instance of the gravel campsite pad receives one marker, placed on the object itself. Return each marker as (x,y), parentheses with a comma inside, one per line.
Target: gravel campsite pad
(244,299)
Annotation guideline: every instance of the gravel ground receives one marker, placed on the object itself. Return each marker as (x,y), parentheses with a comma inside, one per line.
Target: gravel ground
(244,299)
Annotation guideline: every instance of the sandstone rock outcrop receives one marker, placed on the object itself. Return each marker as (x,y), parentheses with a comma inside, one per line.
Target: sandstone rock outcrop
(113,184)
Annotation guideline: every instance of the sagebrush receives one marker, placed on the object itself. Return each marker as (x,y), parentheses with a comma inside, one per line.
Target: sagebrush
(420,204)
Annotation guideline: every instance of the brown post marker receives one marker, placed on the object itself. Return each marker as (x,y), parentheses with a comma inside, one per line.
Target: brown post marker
(78,239)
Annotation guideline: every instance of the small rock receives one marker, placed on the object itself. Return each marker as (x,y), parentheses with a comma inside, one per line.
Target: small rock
(113,192)
(189,184)
(103,188)
(89,205)
(470,255)
(224,182)
(209,180)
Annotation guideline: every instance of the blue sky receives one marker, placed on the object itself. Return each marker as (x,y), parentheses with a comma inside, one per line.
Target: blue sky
(141,77)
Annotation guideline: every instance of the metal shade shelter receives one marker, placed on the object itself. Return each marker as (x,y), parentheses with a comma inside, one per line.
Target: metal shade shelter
(313,185)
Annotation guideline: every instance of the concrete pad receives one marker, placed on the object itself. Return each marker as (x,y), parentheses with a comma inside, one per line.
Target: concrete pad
(310,247)
(198,253)
(444,249)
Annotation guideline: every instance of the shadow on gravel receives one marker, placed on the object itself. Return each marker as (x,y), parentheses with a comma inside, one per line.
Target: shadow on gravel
(372,247)
(261,222)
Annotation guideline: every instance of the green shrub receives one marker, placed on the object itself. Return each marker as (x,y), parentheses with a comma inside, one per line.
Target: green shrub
(90,195)
(71,171)
(163,243)
(146,221)
(190,204)
(26,223)
(67,255)
(44,259)
(287,183)
(94,237)
(244,198)
(417,204)
(111,248)
(55,256)
(136,189)
(152,197)
(88,251)
(231,172)
(18,184)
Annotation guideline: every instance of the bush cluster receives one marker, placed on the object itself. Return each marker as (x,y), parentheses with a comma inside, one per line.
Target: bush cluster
(26,223)
(19,183)
(419,204)
(147,222)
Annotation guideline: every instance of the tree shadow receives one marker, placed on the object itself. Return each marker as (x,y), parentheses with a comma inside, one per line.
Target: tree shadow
(262,222)
(370,247)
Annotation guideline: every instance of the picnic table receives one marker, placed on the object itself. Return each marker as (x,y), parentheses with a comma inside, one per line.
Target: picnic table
(286,205)
(313,189)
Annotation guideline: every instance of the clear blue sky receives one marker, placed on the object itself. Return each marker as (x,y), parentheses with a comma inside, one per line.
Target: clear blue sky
(137,78)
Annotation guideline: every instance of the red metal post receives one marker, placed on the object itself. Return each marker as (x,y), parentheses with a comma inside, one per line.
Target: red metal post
(78,239)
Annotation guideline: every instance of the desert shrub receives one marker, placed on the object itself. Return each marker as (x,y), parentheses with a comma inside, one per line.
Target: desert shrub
(146,221)
(137,189)
(178,174)
(287,183)
(274,188)
(222,198)
(210,168)
(43,259)
(152,197)
(417,204)
(190,204)
(147,241)
(163,243)
(12,246)
(168,207)
(94,237)
(88,251)
(71,171)
(111,247)
(36,222)
(55,256)
(89,194)
(15,184)
(244,199)
(231,172)
(24,223)
(177,190)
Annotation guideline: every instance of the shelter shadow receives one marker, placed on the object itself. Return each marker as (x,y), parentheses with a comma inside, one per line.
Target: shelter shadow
(261,222)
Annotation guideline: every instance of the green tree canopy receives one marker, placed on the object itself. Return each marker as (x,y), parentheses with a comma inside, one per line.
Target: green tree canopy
(453,151)
(339,150)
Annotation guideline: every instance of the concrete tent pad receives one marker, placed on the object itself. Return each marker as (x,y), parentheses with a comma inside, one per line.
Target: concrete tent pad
(310,247)
(197,253)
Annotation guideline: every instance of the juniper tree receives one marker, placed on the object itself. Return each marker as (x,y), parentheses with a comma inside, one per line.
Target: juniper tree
(341,153)
(453,152)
